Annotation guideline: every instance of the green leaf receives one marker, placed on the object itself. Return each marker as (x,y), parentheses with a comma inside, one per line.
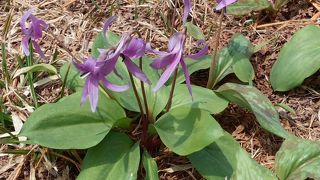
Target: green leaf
(298,59)
(236,55)
(243,7)
(150,167)
(73,81)
(298,159)
(66,125)
(203,98)
(116,157)
(194,31)
(225,159)
(186,130)
(100,42)
(251,98)
(37,67)
(243,69)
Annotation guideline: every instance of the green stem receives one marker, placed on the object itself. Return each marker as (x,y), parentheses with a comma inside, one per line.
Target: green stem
(172,89)
(30,76)
(210,82)
(65,81)
(135,91)
(4,63)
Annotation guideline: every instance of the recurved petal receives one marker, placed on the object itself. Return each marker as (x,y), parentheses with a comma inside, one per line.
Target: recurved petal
(114,87)
(93,88)
(24,19)
(202,52)
(154,51)
(162,61)
(176,42)
(38,49)
(107,23)
(187,9)
(186,75)
(135,49)
(224,3)
(167,73)
(25,45)
(135,70)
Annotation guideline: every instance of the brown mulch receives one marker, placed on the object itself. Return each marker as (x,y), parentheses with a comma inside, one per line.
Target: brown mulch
(75,23)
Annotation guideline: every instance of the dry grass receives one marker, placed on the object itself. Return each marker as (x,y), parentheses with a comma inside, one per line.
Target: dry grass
(75,23)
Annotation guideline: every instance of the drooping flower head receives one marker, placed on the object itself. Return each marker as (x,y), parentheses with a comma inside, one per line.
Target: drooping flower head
(173,57)
(96,70)
(33,33)
(224,3)
(128,48)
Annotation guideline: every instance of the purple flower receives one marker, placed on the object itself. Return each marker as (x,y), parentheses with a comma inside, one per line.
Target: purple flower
(186,11)
(224,3)
(171,59)
(95,71)
(128,48)
(33,32)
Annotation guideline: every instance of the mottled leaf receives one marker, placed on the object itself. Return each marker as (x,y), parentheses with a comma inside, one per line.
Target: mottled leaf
(243,7)
(251,98)
(298,159)
(73,79)
(298,59)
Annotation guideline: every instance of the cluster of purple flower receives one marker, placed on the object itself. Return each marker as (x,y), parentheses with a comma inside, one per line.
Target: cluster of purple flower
(97,69)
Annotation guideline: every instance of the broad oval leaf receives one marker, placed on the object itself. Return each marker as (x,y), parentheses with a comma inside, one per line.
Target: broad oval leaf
(66,125)
(116,157)
(187,130)
(37,67)
(194,31)
(203,98)
(225,159)
(251,98)
(298,59)
(298,159)
(243,7)
(150,167)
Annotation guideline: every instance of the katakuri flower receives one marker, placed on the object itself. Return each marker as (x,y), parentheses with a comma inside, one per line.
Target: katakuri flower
(33,33)
(171,59)
(95,71)
(128,48)
(224,3)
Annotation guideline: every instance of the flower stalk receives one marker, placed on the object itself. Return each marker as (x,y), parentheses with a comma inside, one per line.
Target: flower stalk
(172,90)
(210,83)
(30,76)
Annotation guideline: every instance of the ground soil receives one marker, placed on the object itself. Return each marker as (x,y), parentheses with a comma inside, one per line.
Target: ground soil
(73,25)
